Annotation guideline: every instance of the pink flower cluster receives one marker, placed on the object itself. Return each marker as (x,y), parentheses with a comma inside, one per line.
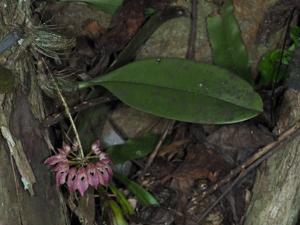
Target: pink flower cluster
(80,173)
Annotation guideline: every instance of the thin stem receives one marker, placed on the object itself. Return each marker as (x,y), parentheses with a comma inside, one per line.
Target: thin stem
(68,113)
(84,84)
(88,83)
(159,144)
(70,118)
(193,32)
(276,76)
(56,117)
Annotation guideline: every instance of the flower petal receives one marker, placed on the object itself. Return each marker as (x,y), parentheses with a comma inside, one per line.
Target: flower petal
(71,179)
(62,166)
(103,174)
(93,178)
(109,170)
(61,178)
(65,150)
(103,157)
(81,183)
(96,148)
(100,177)
(52,160)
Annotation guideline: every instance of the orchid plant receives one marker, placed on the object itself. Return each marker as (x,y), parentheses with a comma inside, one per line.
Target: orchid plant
(79,171)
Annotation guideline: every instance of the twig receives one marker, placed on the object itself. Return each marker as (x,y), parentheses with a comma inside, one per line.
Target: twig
(160,142)
(56,117)
(258,157)
(242,174)
(244,169)
(193,32)
(228,189)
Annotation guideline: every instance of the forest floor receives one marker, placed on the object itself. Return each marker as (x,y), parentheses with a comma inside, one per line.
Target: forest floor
(198,173)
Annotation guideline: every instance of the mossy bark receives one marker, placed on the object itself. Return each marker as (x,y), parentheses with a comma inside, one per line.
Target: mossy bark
(28,195)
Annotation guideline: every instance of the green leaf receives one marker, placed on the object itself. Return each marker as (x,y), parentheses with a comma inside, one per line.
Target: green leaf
(142,195)
(268,67)
(6,80)
(182,90)
(126,206)
(108,6)
(132,149)
(117,215)
(228,48)
(295,35)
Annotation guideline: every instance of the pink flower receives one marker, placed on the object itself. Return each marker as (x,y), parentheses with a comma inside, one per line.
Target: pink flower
(80,173)
(62,171)
(93,175)
(96,148)
(81,182)
(56,159)
(61,157)
(71,179)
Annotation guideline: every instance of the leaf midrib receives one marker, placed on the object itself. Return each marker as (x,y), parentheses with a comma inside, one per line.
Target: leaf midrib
(177,89)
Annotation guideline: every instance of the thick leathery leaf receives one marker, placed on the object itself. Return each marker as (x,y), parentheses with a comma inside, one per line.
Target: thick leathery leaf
(122,200)
(142,195)
(228,48)
(108,6)
(183,90)
(6,80)
(132,149)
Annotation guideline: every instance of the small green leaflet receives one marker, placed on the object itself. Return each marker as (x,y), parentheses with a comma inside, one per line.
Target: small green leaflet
(273,67)
(6,80)
(295,35)
(268,67)
(228,48)
(132,149)
(117,215)
(126,206)
(182,90)
(142,195)
(108,6)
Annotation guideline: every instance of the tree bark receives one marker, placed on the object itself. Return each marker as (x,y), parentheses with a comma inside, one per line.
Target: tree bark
(28,195)
(276,193)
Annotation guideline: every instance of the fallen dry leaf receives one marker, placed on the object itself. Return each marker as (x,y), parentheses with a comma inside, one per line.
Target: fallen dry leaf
(240,140)
(92,29)
(172,148)
(200,163)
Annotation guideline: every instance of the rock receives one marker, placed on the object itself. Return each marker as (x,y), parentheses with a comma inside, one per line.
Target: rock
(171,39)
(126,122)
(71,17)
